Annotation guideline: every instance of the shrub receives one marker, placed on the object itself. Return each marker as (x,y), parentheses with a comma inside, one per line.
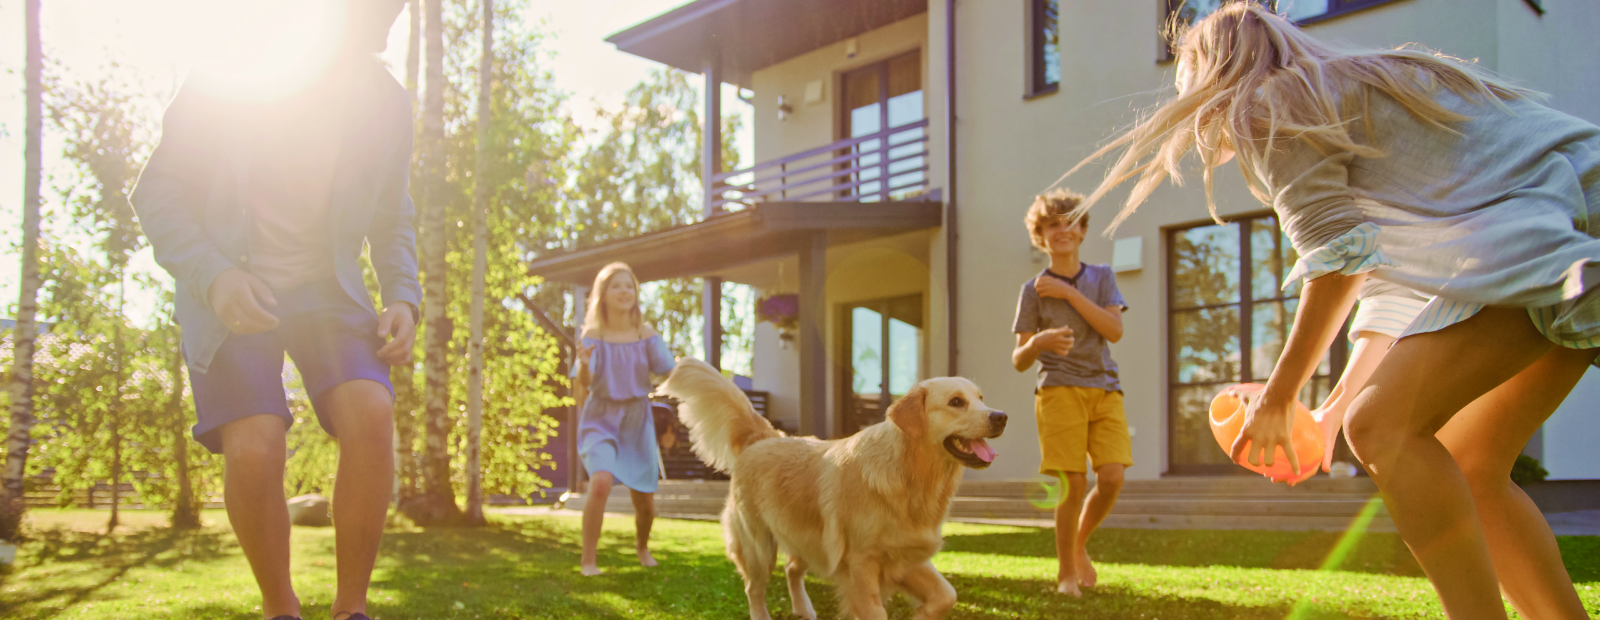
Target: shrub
(1527,470)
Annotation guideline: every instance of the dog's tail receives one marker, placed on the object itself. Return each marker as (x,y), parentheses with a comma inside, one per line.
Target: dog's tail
(720,419)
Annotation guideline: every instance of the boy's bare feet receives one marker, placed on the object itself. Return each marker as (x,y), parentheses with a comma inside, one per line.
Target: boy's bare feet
(645,559)
(1069,587)
(589,570)
(1087,576)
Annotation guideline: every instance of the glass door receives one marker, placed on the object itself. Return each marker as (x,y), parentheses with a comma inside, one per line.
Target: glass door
(883,351)
(879,97)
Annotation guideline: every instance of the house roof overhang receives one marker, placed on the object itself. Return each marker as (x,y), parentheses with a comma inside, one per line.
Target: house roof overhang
(750,34)
(765,231)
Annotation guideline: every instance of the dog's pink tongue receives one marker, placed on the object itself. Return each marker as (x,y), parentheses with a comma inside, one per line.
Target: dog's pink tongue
(981,449)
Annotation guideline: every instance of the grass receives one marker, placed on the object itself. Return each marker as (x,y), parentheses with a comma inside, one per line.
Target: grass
(526,567)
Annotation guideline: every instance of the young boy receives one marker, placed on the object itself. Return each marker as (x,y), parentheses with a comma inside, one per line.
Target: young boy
(1065,318)
(260,210)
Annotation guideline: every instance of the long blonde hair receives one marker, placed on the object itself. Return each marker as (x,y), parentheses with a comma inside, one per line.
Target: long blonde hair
(1255,77)
(594,317)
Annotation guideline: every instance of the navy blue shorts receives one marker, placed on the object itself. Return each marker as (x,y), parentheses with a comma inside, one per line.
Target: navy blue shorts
(331,338)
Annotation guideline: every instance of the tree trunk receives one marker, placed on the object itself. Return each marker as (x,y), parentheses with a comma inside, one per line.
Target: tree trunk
(118,351)
(406,471)
(480,252)
(438,502)
(185,510)
(18,439)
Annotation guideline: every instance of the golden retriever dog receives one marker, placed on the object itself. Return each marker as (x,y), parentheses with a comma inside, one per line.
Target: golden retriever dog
(864,512)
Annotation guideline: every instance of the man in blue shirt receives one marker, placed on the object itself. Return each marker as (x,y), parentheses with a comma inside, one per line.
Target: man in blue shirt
(260,210)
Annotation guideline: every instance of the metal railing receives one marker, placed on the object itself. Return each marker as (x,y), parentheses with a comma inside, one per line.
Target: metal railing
(888,165)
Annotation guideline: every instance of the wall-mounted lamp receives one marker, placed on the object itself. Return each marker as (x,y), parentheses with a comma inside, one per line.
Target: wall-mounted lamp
(784,109)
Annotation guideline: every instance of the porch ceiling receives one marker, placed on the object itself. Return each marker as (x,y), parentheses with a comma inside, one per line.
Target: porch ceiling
(728,240)
(752,34)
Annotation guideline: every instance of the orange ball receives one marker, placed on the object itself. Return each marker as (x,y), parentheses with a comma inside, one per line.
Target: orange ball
(1227,419)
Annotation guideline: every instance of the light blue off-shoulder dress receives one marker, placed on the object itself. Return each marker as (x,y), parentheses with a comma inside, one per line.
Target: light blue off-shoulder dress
(616,432)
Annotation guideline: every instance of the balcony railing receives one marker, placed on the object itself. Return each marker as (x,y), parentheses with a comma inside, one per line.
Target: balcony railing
(888,165)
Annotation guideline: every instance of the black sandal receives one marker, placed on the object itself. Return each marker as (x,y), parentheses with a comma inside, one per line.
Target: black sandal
(348,616)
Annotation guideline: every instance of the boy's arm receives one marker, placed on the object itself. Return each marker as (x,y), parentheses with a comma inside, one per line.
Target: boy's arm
(168,195)
(1024,355)
(1107,321)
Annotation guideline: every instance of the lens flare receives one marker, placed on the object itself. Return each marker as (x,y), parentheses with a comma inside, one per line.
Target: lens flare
(1341,550)
(1048,494)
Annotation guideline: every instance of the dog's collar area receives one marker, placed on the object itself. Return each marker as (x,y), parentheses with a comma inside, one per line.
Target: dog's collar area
(960,447)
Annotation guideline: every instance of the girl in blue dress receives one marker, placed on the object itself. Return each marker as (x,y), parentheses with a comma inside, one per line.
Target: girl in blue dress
(616,435)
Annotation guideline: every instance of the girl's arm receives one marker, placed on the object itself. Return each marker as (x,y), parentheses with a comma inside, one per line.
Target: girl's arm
(1324,304)
(1107,321)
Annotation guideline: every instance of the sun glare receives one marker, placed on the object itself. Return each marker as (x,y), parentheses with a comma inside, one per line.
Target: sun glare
(260,51)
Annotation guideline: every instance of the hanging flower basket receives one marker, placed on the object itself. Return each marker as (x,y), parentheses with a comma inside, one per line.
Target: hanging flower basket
(783,312)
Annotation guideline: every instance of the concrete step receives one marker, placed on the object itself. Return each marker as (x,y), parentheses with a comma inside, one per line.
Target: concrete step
(1230,485)
(986,507)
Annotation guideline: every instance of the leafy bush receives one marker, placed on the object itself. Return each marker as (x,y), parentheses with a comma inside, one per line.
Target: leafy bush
(1526,470)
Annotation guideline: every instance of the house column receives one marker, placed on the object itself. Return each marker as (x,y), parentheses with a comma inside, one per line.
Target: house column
(711,311)
(711,158)
(813,323)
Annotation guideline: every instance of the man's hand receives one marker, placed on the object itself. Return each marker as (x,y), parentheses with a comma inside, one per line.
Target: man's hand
(399,325)
(237,297)
(1058,340)
(1048,286)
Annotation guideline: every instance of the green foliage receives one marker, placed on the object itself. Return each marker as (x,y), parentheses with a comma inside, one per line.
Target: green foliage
(1527,470)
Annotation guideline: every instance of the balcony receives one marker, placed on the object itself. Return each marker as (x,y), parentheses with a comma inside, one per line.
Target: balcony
(889,165)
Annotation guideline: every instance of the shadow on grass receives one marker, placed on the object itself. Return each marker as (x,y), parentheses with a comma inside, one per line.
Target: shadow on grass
(108,558)
(1375,553)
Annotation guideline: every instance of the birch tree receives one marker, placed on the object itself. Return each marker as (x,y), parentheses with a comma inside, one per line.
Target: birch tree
(480,250)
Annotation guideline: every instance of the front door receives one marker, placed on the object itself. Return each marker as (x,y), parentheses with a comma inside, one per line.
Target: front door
(882,349)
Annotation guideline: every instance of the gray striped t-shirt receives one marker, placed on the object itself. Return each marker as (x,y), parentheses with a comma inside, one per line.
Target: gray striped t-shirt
(1089,363)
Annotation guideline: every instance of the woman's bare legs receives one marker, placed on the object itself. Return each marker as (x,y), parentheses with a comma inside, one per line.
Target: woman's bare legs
(1485,439)
(1369,350)
(594,513)
(1423,382)
(644,515)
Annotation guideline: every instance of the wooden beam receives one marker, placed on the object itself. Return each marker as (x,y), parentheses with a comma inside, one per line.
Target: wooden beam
(711,128)
(813,323)
(711,312)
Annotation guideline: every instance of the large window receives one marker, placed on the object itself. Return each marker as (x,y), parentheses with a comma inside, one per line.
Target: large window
(879,98)
(1227,322)
(1044,47)
(1182,12)
(882,348)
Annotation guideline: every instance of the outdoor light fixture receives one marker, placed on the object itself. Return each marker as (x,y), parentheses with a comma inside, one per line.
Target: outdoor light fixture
(784,109)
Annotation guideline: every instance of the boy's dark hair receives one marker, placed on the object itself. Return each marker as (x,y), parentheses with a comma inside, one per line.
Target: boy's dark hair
(1049,208)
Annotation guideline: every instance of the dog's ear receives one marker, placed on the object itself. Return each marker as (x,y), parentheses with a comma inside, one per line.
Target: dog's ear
(910,413)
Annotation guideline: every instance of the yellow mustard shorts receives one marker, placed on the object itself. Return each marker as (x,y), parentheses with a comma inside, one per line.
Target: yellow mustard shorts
(1075,422)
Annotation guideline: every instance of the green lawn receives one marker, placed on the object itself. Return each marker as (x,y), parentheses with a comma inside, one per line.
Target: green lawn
(527,568)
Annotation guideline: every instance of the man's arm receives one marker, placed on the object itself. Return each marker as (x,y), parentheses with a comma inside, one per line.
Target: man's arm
(169,195)
(1107,321)
(392,235)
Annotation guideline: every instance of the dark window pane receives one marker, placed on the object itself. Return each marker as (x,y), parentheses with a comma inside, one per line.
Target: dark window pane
(1302,9)
(1192,442)
(1050,40)
(1207,343)
(1205,266)
(1271,258)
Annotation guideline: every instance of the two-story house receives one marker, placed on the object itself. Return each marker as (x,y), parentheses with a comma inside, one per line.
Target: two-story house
(900,142)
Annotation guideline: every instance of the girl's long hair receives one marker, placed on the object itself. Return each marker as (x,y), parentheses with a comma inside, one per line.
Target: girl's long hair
(1254,77)
(594,317)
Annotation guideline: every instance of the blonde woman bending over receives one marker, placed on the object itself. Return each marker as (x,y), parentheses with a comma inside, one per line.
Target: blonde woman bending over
(1425,172)
(616,434)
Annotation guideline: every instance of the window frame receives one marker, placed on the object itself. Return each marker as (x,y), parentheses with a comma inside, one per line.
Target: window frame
(1035,82)
(1338,356)
(1336,8)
